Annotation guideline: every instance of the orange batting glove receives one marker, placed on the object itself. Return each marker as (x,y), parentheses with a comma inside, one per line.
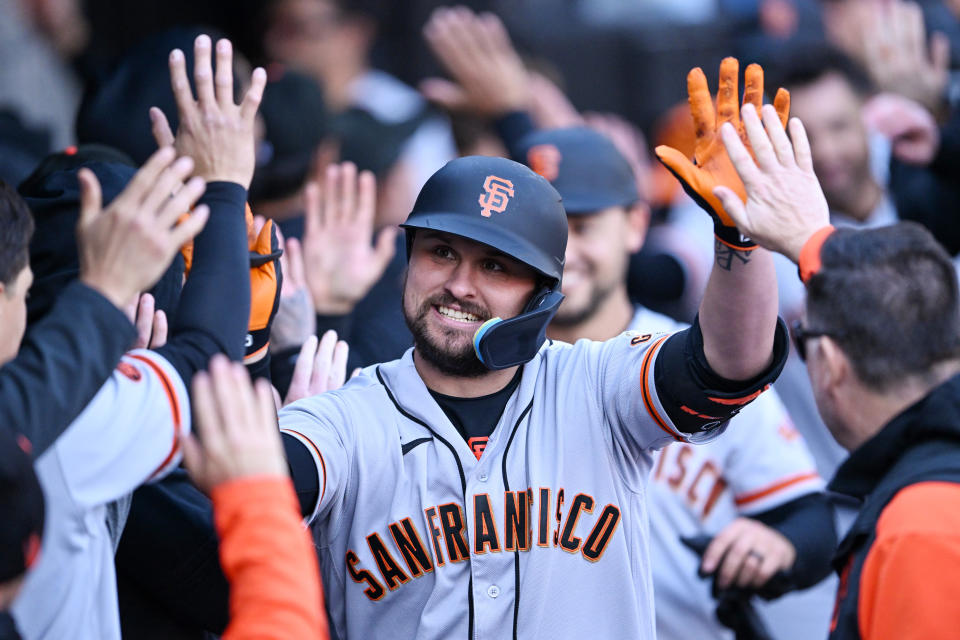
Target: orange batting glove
(266,279)
(711,165)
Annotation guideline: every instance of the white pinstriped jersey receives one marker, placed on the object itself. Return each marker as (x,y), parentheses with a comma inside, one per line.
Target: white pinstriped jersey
(759,463)
(544,536)
(126,436)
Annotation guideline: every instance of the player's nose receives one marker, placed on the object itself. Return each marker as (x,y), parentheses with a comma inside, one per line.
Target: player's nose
(462,281)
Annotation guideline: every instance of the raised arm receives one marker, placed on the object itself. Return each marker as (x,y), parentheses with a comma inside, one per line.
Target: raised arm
(738,314)
(214,308)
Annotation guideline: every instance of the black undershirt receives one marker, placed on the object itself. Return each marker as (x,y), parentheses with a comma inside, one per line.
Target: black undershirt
(476,418)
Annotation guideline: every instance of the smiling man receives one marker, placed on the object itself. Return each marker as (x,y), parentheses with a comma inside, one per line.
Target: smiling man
(491,484)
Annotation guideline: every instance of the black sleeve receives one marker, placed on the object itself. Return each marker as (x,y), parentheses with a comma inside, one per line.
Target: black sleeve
(341,324)
(693,395)
(807,523)
(214,308)
(63,361)
(512,127)
(303,470)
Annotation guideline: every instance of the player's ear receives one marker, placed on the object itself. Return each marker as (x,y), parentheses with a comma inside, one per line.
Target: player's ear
(638,221)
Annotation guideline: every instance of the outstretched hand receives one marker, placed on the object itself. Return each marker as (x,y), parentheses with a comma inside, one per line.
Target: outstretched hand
(475,49)
(785,204)
(320,367)
(341,264)
(215,132)
(746,554)
(237,427)
(711,166)
(125,248)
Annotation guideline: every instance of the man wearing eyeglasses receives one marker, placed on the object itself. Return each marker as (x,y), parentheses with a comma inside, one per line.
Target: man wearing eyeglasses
(881,340)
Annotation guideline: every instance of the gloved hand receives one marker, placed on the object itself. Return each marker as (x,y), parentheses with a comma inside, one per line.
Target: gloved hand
(266,278)
(711,165)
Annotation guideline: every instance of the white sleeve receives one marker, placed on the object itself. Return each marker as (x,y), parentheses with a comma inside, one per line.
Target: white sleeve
(628,392)
(129,434)
(319,424)
(768,462)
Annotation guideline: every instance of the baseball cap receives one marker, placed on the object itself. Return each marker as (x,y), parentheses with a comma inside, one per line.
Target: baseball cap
(21,507)
(583,165)
(53,194)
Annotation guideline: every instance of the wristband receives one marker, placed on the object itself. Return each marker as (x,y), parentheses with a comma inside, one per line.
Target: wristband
(808,264)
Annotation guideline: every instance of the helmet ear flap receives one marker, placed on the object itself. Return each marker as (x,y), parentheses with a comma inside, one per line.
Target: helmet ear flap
(501,344)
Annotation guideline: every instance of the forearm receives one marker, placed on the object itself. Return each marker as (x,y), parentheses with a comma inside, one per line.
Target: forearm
(62,363)
(214,307)
(738,313)
(269,560)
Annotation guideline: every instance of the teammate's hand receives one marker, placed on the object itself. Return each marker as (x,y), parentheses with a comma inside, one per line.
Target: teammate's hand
(785,204)
(319,368)
(911,129)
(489,77)
(549,106)
(296,319)
(746,554)
(892,45)
(711,166)
(236,424)
(125,248)
(151,323)
(341,265)
(215,132)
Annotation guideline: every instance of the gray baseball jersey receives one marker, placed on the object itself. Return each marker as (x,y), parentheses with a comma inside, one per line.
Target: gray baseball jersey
(544,536)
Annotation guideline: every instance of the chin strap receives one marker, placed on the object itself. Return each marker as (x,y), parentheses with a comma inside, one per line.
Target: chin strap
(501,344)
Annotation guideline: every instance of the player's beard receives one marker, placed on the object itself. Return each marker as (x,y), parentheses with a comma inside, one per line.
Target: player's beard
(568,316)
(443,352)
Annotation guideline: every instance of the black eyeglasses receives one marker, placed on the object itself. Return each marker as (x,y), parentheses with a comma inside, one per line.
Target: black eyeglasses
(800,336)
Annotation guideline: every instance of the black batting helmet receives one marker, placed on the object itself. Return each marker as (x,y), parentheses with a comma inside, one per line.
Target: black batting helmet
(504,205)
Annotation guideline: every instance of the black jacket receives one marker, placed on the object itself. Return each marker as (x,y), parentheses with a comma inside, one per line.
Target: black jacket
(922,444)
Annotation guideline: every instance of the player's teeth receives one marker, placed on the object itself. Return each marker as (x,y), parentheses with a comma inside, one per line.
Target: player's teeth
(457,315)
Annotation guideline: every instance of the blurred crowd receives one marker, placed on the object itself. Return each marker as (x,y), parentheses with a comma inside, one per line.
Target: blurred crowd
(317,123)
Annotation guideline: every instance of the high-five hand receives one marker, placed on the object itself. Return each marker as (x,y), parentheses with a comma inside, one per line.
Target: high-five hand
(785,204)
(215,132)
(711,166)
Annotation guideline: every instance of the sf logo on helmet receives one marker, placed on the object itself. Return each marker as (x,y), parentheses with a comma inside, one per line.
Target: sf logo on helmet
(544,159)
(496,194)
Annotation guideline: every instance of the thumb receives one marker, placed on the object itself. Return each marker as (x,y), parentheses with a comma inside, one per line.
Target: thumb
(91,197)
(385,247)
(679,164)
(448,95)
(160,128)
(734,207)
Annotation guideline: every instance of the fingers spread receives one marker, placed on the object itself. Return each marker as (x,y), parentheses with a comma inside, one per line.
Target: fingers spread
(759,142)
(338,368)
(224,74)
(181,85)
(727,94)
(701,104)
(313,210)
(742,160)
(144,321)
(348,192)
(189,227)
(253,96)
(181,202)
(778,137)
(203,73)
(159,329)
(801,145)
(753,86)
(781,103)
(320,380)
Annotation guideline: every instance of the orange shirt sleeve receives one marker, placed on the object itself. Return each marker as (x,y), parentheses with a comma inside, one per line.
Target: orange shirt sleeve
(910,583)
(269,561)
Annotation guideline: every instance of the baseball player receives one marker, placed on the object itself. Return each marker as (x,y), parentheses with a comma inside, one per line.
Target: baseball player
(489,484)
(130,432)
(760,469)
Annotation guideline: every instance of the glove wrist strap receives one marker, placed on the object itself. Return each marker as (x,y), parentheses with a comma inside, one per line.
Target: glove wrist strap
(732,237)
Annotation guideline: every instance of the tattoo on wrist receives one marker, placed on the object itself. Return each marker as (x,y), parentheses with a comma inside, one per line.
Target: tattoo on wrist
(727,256)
